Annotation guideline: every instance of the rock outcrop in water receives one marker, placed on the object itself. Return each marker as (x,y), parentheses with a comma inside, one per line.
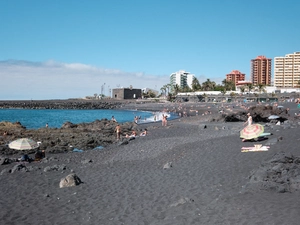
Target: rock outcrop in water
(61,104)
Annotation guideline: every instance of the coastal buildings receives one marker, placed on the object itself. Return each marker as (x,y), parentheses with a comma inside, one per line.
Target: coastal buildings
(235,76)
(287,71)
(126,93)
(240,84)
(182,79)
(261,68)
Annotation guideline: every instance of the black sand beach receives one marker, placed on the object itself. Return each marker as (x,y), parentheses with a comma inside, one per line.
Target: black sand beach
(189,172)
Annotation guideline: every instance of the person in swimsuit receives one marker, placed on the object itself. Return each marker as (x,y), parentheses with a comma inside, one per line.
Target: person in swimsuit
(249,120)
(118,131)
(144,133)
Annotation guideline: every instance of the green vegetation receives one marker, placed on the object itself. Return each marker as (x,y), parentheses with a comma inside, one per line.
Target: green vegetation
(208,85)
(170,91)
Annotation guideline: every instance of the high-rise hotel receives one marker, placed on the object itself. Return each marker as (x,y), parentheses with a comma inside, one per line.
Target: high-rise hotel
(261,68)
(182,79)
(235,76)
(287,71)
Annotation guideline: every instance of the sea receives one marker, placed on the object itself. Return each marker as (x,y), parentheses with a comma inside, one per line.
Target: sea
(55,118)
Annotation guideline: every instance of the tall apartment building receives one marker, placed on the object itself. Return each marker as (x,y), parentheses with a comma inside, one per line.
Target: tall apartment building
(182,79)
(261,68)
(287,71)
(235,76)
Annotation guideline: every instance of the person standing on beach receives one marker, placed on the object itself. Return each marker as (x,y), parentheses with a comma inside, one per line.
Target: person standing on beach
(118,131)
(164,120)
(249,120)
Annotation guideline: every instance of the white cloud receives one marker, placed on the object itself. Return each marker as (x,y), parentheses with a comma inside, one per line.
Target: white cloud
(56,80)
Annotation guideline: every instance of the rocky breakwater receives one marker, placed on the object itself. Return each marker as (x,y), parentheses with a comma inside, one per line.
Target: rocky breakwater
(259,113)
(61,104)
(83,136)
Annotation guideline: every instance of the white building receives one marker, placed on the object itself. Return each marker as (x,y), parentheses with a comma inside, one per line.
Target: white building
(287,71)
(182,79)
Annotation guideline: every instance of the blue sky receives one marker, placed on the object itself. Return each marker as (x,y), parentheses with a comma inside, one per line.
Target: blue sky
(70,48)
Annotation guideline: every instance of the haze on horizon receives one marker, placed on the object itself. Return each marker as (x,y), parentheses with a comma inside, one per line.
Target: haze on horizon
(70,49)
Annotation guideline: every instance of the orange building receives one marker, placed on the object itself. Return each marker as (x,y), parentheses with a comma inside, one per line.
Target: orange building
(261,70)
(235,76)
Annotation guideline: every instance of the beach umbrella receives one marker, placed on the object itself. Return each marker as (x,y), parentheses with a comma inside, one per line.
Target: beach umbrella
(273,117)
(252,131)
(23,144)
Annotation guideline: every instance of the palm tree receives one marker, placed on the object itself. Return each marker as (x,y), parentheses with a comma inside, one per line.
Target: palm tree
(196,85)
(176,89)
(231,86)
(151,94)
(228,85)
(250,87)
(163,90)
(208,85)
(187,89)
(168,86)
(242,88)
(261,87)
(223,91)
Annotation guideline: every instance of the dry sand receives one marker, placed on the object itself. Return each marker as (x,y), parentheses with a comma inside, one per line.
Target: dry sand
(127,184)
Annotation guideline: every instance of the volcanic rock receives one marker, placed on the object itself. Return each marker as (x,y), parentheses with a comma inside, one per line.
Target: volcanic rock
(70,181)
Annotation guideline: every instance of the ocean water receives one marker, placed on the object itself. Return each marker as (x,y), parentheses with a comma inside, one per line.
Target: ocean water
(37,118)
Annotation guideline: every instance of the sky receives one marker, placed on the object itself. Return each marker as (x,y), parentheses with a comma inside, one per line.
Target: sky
(60,49)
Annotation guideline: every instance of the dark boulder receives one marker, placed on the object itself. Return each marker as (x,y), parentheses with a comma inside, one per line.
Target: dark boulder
(259,113)
(280,174)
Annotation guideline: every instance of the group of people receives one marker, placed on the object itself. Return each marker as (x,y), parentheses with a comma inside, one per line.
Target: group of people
(38,156)
(132,135)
